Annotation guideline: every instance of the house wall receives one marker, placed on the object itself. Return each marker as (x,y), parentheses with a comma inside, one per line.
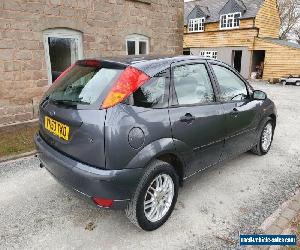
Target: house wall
(244,23)
(268,20)
(222,38)
(225,55)
(104,26)
(279,60)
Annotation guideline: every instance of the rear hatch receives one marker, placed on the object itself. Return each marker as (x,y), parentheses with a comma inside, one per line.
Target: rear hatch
(71,120)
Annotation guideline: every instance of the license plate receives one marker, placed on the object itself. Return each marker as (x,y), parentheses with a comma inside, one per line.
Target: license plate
(57,128)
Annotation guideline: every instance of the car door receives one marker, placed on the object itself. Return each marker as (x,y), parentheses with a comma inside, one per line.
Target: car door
(197,119)
(240,110)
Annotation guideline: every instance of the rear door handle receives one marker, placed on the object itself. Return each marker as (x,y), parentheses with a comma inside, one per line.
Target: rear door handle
(187,118)
(234,113)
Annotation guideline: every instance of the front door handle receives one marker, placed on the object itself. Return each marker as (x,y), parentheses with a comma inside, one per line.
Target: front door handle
(187,118)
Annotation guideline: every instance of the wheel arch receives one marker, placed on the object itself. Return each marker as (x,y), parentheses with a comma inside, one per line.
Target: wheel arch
(168,150)
(175,162)
(274,119)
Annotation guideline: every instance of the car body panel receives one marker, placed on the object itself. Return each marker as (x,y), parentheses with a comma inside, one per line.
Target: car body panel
(87,180)
(86,140)
(129,125)
(204,136)
(110,149)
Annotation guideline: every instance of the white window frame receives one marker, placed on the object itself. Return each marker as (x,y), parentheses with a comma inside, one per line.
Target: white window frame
(137,38)
(199,22)
(61,33)
(209,53)
(230,17)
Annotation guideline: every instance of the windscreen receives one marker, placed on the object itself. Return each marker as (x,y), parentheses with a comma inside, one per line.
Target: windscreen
(82,84)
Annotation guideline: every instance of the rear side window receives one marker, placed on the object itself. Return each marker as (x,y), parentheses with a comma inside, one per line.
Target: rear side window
(192,85)
(154,93)
(82,84)
(232,88)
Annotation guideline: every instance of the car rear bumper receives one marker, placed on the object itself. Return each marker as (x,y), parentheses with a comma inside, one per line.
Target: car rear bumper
(118,185)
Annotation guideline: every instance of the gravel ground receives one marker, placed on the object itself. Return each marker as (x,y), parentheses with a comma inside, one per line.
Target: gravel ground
(213,206)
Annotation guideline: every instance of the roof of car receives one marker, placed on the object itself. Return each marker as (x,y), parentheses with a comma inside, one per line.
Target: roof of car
(151,64)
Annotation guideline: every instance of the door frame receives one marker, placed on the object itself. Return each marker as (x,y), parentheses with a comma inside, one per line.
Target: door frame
(60,33)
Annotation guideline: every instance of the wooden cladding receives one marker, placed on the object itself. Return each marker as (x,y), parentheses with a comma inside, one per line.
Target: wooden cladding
(267,19)
(234,37)
(280,60)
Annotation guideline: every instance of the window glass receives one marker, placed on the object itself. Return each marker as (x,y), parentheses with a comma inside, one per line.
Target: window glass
(211,54)
(131,47)
(137,44)
(63,47)
(196,24)
(82,84)
(231,86)
(142,48)
(153,94)
(192,85)
(231,20)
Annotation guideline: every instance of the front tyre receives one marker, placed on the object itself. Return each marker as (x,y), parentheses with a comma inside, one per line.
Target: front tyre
(155,196)
(265,140)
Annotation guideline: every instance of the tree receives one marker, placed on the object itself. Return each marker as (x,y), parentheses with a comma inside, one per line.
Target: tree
(297,34)
(289,12)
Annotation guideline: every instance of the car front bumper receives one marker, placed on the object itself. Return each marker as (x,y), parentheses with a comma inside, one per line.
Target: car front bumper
(118,185)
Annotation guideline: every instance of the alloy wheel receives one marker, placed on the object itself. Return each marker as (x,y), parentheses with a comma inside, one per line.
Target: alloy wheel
(267,137)
(159,197)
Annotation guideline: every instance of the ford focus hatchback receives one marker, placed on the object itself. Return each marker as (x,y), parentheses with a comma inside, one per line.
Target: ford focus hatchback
(126,133)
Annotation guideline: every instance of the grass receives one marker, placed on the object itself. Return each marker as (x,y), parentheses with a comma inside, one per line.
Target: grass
(17,140)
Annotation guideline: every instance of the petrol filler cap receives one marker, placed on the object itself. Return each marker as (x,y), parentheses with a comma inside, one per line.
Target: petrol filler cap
(136,138)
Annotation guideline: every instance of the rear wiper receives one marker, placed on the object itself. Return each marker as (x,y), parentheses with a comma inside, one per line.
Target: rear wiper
(68,102)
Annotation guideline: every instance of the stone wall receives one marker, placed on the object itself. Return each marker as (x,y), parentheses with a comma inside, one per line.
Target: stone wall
(104,25)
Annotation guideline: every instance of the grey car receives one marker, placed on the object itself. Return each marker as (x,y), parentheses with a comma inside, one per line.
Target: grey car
(127,132)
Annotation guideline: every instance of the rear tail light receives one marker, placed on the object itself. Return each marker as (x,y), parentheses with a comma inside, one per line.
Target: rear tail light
(129,81)
(89,63)
(102,202)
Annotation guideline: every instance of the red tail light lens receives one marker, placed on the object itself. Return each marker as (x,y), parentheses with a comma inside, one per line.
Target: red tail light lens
(89,63)
(129,81)
(102,202)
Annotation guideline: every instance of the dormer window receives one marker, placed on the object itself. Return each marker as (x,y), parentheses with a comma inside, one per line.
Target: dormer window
(231,20)
(196,24)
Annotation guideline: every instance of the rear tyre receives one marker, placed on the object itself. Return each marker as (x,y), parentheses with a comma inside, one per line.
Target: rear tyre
(155,197)
(265,140)
(283,83)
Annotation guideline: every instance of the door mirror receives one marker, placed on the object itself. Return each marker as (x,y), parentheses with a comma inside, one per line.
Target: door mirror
(259,95)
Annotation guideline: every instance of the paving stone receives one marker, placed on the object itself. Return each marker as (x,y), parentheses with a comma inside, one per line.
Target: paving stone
(282,222)
(288,213)
(273,230)
(295,205)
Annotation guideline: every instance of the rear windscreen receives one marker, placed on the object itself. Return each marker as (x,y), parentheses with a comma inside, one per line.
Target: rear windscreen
(82,84)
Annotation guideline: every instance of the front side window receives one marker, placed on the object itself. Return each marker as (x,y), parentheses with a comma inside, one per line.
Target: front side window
(228,21)
(192,85)
(153,94)
(137,45)
(232,88)
(210,54)
(196,24)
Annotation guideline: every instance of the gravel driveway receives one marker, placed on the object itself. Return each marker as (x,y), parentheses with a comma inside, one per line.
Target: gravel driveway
(212,209)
